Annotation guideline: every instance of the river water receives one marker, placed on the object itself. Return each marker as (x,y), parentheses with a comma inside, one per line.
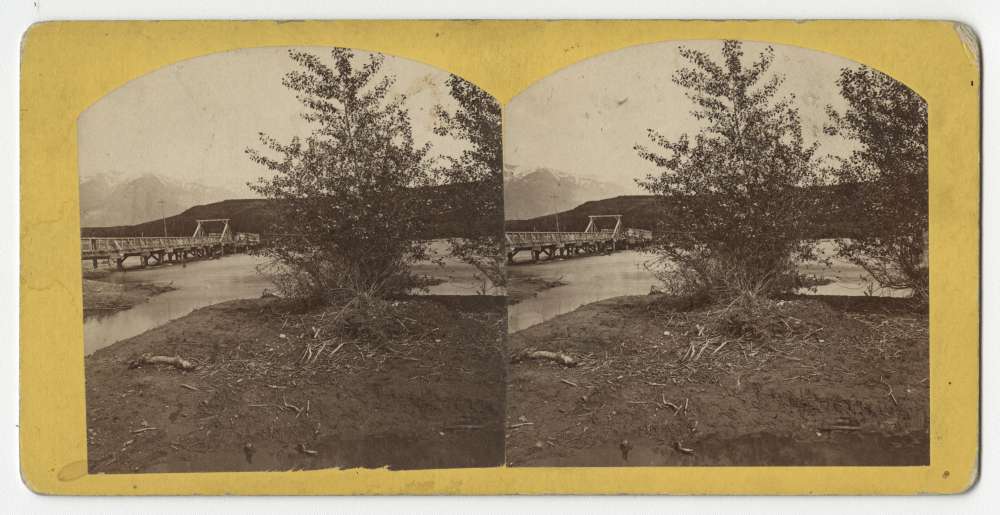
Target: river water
(592,278)
(202,283)
(198,284)
(588,279)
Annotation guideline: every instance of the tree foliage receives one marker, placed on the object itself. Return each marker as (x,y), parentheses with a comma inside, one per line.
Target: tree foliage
(730,194)
(347,215)
(889,122)
(477,122)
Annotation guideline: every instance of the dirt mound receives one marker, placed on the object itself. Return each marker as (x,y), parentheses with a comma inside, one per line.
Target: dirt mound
(277,390)
(674,384)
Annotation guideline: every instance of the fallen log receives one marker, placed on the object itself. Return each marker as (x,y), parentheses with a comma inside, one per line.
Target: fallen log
(558,357)
(149,359)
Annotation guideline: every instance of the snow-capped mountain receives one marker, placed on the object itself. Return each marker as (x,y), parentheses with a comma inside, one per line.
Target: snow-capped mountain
(110,199)
(540,191)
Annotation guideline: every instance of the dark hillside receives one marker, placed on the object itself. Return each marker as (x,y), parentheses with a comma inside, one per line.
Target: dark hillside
(837,214)
(259,215)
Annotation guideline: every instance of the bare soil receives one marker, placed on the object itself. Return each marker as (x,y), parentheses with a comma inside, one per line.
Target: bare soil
(521,285)
(418,385)
(829,381)
(102,297)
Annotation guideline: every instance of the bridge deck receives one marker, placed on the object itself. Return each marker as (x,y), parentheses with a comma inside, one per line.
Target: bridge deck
(529,239)
(166,248)
(591,240)
(91,248)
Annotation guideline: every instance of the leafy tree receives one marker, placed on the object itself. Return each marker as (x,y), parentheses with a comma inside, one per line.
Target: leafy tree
(889,122)
(480,169)
(732,213)
(347,213)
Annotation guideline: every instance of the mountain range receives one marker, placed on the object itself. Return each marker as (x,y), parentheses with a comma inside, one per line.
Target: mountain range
(112,199)
(539,191)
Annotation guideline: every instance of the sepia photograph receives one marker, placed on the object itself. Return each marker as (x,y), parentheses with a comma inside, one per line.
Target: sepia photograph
(717,256)
(292,259)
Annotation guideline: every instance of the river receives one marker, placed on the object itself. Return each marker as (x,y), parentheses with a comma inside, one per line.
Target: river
(206,282)
(592,278)
(588,279)
(198,284)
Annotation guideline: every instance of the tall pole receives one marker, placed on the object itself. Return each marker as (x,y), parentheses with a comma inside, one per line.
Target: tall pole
(554,197)
(164,220)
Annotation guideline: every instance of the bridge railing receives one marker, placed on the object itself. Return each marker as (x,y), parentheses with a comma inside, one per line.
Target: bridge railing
(162,242)
(533,238)
(548,238)
(140,243)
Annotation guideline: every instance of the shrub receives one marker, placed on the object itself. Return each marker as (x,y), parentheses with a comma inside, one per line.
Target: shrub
(731,197)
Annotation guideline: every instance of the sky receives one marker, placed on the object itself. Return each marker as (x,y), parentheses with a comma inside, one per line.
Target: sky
(585,119)
(192,120)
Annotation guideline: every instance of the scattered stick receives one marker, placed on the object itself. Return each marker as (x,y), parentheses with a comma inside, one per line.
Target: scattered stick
(685,450)
(663,398)
(889,386)
(334,351)
(784,354)
(302,448)
(697,357)
(320,351)
(189,387)
(149,359)
(806,337)
(520,424)
(143,430)
(297,409)
(571,383)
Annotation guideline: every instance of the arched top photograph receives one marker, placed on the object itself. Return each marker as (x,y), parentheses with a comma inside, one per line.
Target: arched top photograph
(722,223)
(274,221)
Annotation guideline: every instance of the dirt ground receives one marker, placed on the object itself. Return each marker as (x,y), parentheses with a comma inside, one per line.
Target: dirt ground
(102,297)
(276,389)
(522,285)
(839,381)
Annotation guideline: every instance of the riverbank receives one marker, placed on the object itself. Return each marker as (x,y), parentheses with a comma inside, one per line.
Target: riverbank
(103,297)
(525,285)
(417,383)
(834,381)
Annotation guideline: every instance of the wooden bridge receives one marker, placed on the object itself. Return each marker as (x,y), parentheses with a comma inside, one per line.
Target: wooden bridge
(592,240)
(202,244)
